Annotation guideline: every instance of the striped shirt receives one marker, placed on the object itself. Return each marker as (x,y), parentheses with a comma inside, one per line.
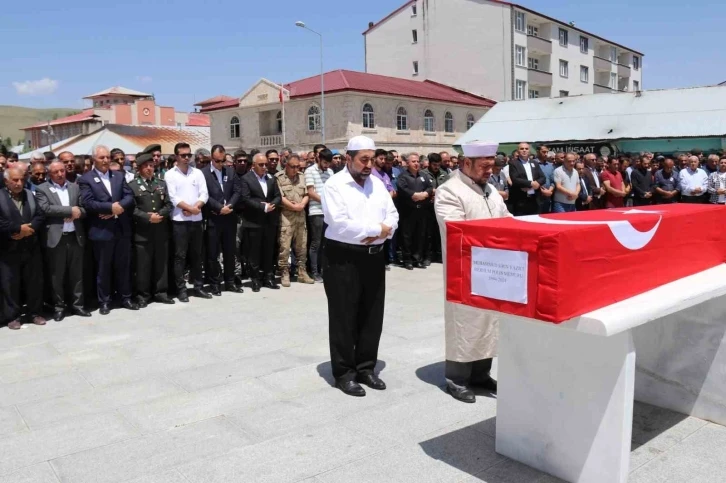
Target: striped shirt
(315,177)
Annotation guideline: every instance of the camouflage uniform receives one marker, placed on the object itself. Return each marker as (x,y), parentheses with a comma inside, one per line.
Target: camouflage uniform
(293,227)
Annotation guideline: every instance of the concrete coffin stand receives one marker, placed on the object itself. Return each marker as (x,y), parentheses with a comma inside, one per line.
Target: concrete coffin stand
(565,401)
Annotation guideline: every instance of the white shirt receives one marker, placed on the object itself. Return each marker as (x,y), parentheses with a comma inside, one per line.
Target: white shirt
(263,182)
(129,176)
(105,179)
(528,170)
(62,192)
(354,212)
(690,180)
(189,188)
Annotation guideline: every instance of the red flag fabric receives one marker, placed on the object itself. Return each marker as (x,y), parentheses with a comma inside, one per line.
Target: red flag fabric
(556,267)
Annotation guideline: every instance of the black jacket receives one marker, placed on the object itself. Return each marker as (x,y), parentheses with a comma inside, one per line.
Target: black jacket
(97,201)
(219,198)
(519,179)
(409,184)
(253,197)
(642,183)
(11,219)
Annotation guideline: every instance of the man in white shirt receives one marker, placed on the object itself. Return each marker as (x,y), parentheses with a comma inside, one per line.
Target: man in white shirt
(188,193)
(360,216)
(693,182)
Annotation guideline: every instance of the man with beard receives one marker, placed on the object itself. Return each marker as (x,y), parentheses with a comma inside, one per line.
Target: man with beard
(360,216)
(471,334)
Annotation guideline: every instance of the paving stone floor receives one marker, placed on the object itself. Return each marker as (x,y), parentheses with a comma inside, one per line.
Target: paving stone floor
(237,389)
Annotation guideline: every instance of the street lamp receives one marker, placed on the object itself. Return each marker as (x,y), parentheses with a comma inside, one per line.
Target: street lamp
(322,83)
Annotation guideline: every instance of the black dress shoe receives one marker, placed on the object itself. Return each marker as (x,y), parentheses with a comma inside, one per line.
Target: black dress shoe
(81,312)
(59,315)
(104,309)
(409,266)
(214,289)
(163,299)
(462,394)
(427,263)
(129,305)
(142,303)
(270,283)
(202,294)
(183,297)
(351,388)
(371,380)
(256,285)
(487,384)
(230,287)
(420,265)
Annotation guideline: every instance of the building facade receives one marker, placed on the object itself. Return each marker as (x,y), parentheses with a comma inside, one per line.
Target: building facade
(502,51)
(396,113)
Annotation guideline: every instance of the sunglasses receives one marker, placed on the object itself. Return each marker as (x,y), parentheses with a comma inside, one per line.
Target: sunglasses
(273,159)
(185,155)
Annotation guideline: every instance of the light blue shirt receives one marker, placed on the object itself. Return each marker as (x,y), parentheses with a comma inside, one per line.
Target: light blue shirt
(690,180)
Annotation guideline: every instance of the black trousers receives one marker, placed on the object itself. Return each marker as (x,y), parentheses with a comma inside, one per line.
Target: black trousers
(642,201)
(260,250)
(221,233)
(413,231)
(355,285)
(526,206)
(694,199)
(21,281)
(433,248)
(151,264)
(90,293)
(188,240)
(65,269)
(462,374)
(316,229)
(113,259)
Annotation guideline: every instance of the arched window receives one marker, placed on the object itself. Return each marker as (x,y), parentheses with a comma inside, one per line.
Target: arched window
(429,121)
(401,119)
(279,122)
(448,122)
(234,127)
(369,120)
(314,118)
(469,121)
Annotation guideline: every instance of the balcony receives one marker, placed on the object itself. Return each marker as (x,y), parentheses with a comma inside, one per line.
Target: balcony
(601,88)
(623,70)
(539,78)
(539,45)
(271,141)
(602,64)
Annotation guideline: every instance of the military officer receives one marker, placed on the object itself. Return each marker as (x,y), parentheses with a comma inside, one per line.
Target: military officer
(151,233)
(292,220)
(154,150)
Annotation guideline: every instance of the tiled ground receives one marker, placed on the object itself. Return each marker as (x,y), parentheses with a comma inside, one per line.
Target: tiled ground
(237,389)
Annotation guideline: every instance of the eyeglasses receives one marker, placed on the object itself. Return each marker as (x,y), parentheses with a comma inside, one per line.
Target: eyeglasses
(185,155)
(273,159)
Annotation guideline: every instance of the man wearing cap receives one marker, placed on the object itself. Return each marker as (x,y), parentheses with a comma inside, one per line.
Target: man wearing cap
(151,233)
(471,334)
(154,150)
(360,216)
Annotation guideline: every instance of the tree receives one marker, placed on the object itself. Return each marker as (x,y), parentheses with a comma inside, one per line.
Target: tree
(8,142)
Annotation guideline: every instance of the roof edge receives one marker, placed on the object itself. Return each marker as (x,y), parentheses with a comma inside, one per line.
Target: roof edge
(384,19)
(461,91)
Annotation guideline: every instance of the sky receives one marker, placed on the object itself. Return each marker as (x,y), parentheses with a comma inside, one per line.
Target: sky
(185,51)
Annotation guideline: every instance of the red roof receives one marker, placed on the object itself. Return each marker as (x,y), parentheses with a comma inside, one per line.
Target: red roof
(198,120)
(213,100)
(347,80)
(85,115)
(221,105)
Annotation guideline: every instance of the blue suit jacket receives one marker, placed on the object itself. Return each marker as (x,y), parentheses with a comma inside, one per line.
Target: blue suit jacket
(97,201)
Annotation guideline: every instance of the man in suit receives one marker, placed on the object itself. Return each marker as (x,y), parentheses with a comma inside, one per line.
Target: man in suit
(527,179)
(21,265)
(109,202)
(584,198)
(224,193)
(64,238)
(261,197)
(151,233)
(593,178)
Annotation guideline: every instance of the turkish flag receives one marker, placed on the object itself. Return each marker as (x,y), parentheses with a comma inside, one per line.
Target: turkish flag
(556,267)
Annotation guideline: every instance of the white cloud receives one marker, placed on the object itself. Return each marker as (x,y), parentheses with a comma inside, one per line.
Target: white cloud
(42,87)
(145,79)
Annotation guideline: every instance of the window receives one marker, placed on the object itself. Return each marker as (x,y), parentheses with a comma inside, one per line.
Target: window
(584,44)
(519,55)
(613,55)
(519,22)
(533,93)
(414,35)
(584,74)
(314,118)
(613,80)
(564,36)
(564,68)
(532,30)
(415,67)
(401,119)
(413,10)
(448,122)
(636,62)
(520,89)
(469,121)
(564,93)
(278,118)
(636,86)
(533,63)
(429,121)
(369,120)
(234,127)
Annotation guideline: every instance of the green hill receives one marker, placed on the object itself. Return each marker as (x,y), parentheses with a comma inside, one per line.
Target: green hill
(12,118)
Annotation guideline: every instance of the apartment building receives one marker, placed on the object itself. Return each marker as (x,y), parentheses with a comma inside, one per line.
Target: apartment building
(499,50)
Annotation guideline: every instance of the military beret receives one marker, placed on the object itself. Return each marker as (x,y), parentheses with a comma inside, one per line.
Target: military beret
(151,148)
(144,158)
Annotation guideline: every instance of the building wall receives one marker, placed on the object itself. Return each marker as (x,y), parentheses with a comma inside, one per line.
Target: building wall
(123,114)
(166,116)
(146,112)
